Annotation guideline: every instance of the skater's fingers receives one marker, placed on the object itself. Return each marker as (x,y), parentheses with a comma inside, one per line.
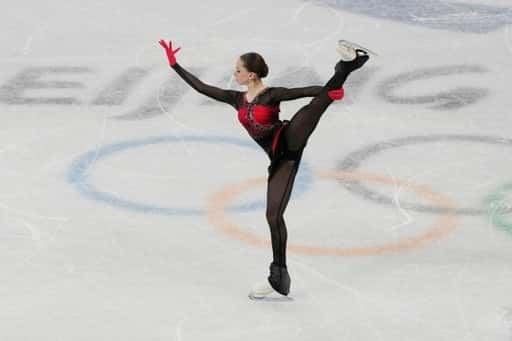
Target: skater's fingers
(163,44)
(175,51)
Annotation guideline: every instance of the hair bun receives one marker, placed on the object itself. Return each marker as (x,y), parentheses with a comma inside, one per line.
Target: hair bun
(254,62)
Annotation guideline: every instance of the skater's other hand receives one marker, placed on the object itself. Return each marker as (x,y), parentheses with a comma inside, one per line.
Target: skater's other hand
(337,94)
(171,54)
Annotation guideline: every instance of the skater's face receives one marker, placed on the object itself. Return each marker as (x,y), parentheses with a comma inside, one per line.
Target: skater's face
(242,75)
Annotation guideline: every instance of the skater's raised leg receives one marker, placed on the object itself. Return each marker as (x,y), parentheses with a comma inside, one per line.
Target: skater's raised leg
(304,122)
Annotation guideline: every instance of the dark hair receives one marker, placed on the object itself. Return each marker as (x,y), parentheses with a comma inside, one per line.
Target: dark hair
(254,62)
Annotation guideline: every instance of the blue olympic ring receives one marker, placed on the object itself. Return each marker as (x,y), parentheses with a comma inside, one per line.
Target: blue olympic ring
(79,175)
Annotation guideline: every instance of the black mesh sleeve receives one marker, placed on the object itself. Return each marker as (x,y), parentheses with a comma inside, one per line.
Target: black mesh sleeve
(287,94)
(226,96)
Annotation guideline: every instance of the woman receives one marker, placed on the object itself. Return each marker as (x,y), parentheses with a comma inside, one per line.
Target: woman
(283,141)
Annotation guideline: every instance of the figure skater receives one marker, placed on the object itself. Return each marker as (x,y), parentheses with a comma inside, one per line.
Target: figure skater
(282,140)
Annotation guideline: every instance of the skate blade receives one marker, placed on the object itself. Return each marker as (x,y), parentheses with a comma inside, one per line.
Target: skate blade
(357,46)
(271,298)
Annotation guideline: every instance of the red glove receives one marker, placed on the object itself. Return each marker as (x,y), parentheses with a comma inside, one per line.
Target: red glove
(336,94)
(171,54)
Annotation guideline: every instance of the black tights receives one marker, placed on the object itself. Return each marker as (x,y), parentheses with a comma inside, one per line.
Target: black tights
(280,184)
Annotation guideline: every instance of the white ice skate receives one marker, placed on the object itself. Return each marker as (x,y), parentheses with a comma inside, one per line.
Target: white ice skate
(264,291)
(348,50)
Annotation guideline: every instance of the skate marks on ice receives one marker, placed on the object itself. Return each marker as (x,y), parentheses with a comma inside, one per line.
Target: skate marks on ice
(354,160)
(295,76)
(436,14)
(446,100)
(497,322)
(163,100)
(120,88)
(26,235)
(359,299)
(26,226)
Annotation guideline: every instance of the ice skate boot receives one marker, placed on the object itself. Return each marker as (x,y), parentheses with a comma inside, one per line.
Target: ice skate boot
(279,279)
(352,56)
(348,50)
(276,286)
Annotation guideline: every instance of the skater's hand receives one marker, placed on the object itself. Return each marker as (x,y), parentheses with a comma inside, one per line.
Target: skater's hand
(171,54)
(337,94)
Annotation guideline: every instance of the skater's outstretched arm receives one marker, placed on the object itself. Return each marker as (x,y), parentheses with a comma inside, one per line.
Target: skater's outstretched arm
(226,96)
(288,94)
(222,95)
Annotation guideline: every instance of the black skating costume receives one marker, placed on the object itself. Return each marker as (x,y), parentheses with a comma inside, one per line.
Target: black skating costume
(282,140)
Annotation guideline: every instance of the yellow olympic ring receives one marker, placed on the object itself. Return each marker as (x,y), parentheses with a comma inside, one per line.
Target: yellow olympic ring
(445,224)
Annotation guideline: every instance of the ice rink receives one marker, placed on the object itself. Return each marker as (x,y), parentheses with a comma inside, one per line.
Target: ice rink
(133,208)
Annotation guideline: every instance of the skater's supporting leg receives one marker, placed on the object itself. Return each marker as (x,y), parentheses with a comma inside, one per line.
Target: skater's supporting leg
(278,194)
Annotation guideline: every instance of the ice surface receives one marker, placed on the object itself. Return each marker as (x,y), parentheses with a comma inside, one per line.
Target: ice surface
(133,208)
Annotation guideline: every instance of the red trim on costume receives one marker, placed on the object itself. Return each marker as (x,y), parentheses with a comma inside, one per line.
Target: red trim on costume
(276,138)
